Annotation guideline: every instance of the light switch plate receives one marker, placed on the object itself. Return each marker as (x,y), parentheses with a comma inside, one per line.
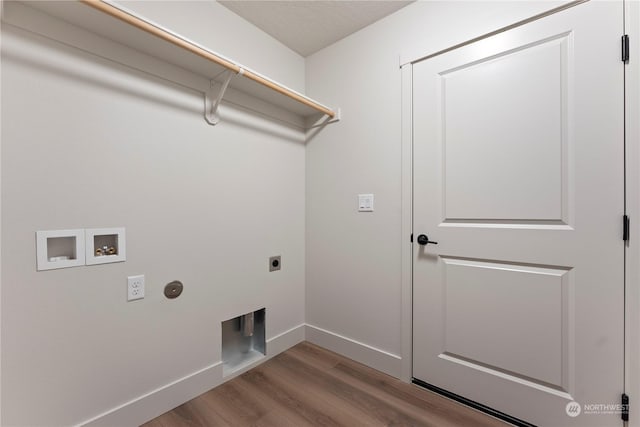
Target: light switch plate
(365,202)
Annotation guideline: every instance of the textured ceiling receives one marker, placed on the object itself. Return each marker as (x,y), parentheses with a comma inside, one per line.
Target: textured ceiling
(308,26)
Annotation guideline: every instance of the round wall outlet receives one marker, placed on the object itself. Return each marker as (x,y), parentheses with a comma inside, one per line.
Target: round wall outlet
(275,263)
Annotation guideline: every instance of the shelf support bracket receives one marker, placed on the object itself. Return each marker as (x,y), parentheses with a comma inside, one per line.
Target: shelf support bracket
(212,100)
(325,120)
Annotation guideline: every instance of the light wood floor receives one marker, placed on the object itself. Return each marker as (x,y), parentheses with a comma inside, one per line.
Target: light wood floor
(310,386)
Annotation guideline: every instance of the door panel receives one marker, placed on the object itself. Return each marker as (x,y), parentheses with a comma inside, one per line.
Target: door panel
(510,313)
(518,154)
(503,149)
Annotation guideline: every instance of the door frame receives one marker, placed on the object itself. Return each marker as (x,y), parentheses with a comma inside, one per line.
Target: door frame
(632,197)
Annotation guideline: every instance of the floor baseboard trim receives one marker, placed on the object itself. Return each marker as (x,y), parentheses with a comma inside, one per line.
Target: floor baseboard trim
(285,340)
(376,358)
(160,400)
(156,402)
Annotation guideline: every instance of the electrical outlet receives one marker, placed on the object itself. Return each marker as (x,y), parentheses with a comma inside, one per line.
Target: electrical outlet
(275,263)
(135,287)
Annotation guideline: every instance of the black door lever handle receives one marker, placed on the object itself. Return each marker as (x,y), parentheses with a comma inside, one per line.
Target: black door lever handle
(424,240)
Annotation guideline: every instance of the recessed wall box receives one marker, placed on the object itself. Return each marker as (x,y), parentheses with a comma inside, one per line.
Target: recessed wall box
(105,245)
(59,249)
(243,341)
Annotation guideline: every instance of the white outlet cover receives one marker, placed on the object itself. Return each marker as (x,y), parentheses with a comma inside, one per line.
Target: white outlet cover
(135,287)
(365,202)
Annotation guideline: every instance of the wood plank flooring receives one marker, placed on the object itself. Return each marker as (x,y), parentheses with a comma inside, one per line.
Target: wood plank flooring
(310,386)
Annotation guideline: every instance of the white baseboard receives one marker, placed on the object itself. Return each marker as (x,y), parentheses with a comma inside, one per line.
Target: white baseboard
(381,360)
(160,400)
(169,396)
(285,340)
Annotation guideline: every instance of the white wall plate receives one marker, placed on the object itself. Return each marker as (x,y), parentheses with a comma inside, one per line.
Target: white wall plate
(105,245)
(365,202)
(59,249)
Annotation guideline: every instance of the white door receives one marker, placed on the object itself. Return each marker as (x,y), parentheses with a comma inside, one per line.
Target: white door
(518,175)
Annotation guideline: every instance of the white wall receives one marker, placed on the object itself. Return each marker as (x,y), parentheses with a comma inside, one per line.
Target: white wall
(354,259)
(87,142)
(2,2)
(216,27)
(68,351)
